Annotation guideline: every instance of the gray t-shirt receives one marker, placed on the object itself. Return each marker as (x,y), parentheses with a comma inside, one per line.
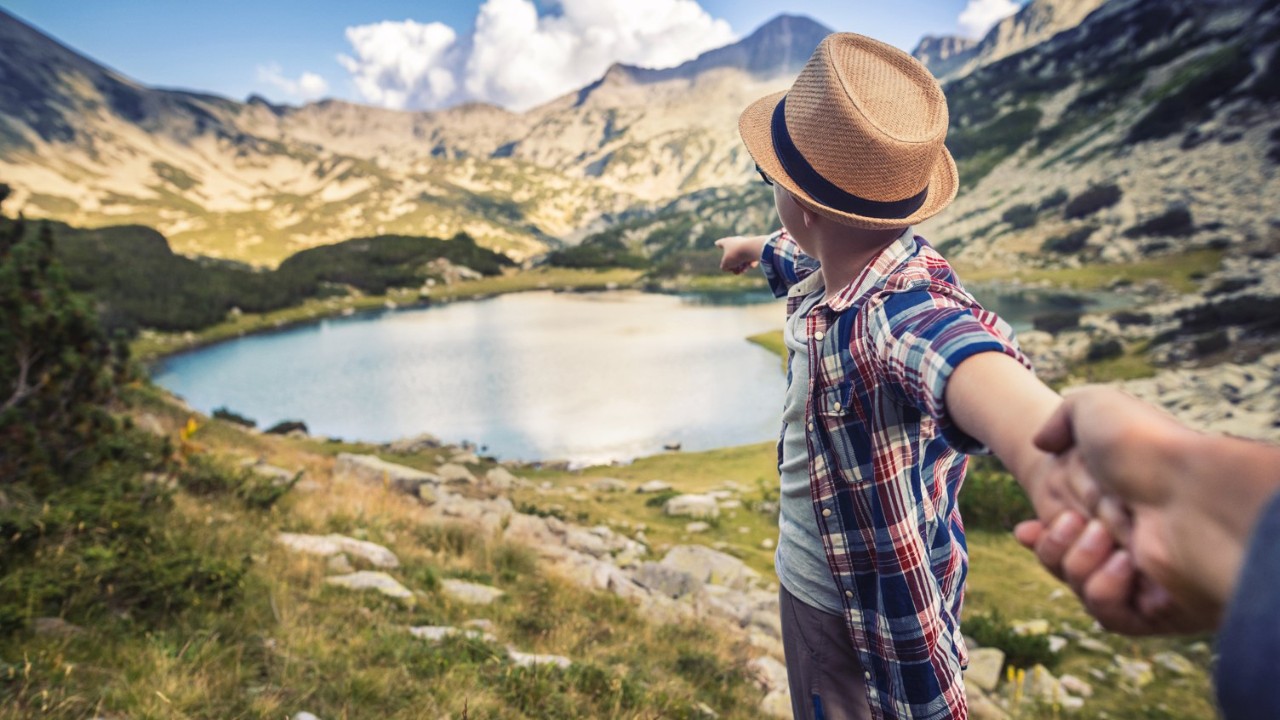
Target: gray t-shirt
(801,560)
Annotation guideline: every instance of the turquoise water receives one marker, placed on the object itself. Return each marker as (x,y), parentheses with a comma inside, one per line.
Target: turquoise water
(589,378)
(582,377)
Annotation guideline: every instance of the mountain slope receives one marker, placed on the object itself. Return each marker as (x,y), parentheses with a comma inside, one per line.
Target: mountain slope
(258,182)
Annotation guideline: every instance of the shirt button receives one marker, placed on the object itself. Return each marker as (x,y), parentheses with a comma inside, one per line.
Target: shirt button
(867,674)
(848,593)
(826,512)
(810,427)
(819,335)
(838,406)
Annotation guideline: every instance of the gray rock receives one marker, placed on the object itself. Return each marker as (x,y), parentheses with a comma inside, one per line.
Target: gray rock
(664,580)
(711,566)
(1057,644)
(340,565)
(985,666)
(697,527)
(1076,686)
(654,486)
(1175,663)
(455,474)
(471,593)
(376,471)
(501,478)
(777,704)
(982,707)
(1043,686)
(55,627)
(695,506)
(609,485)
(1137,673)
(1095,645)
(305,716)
(437,633)
(530,660)
(416,444)
(329,545)
(376,581)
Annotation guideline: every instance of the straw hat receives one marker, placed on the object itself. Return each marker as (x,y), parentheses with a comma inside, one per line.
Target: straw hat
(859,137)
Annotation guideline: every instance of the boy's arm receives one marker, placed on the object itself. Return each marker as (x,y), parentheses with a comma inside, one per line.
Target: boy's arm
(994,399)
(782,261)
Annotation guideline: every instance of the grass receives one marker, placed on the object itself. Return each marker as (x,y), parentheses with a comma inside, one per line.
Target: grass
(1181,272)
(772,341)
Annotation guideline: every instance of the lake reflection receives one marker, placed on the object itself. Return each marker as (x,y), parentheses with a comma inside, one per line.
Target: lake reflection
(583,377)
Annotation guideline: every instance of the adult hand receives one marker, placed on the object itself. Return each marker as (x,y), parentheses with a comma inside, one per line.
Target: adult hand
(741,253)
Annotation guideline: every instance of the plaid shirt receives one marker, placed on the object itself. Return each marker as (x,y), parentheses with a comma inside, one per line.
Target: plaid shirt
(886,463)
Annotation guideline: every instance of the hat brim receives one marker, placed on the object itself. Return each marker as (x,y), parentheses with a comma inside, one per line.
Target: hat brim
(756,127)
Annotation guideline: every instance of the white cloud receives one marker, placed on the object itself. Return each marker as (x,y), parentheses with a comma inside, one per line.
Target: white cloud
(979,16)
(519,59)
(309,86)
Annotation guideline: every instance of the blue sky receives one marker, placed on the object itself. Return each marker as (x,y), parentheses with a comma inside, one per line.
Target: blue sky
(289,50)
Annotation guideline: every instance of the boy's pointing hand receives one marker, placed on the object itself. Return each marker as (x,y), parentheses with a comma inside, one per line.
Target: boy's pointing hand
(741,253)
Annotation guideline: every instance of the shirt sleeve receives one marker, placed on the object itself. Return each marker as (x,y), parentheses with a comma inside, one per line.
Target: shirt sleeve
(784,264)
(919,337)
(1246,675)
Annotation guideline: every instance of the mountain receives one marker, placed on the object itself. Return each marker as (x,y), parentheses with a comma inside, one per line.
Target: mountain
(257,181)
(1035,23)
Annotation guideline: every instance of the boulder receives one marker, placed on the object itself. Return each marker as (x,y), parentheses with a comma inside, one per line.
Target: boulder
(982,707)
(340,565)
(471,593)
(501,478)
(329,545)
(777,704)
(437,633)
(1076,686)
(609,485)
(985,666)
(1175,663)
(665,580)
(1043,686)
(711,566)
(530,660)
(695,506)
(375,470)
(697,527)
(654,486)
(376,581)
(416,444)
(453,473)
(1136,673)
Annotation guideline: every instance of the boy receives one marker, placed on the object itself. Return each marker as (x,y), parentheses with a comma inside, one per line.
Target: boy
(895,372)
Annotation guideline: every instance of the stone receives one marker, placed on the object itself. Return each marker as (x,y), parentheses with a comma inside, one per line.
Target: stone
(654,486)
(768,621)
(55,627)
(501,478)
(340,565)
(694,506)
(437,633)
(369,580)
(465,457)
(982,707)
(706,711)
(1076,686)
(768,673)
(470,593)
(1031,627)
(376,471)
(1043,686)
(415,444)
(1094,645)
(1057,644)
(328,545)
(305,716)
(1137,673)
(697,527)
(985,666)
(767,543)
(665,580)
(1174,663)
(711,566)
(455,474)
(730,504)
(608,485)
(532,660)
(777,704)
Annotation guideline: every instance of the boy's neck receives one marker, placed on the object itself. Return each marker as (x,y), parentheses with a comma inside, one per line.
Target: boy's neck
(846,252)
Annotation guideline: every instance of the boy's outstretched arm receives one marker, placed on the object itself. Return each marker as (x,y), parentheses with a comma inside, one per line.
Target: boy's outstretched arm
(996,400)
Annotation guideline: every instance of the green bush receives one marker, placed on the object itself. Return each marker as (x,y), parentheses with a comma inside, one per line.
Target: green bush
(231,416)
(1107,349)
(1092,200)
(206,476)
(1072,242)
(1020,651)
(1021,217)
(991,499)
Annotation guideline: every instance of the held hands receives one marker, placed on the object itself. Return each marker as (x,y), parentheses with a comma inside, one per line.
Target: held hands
(1122,544)
(741,253)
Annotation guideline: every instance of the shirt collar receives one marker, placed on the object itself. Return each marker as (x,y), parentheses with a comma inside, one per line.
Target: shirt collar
(877,272)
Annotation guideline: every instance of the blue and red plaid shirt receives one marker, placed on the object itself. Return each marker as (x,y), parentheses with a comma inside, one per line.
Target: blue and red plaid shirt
(886,463)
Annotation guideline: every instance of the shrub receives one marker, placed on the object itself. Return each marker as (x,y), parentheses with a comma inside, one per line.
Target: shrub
(205,476)
(1056,322)
(990,499)
(1020,651)
(224,413)
(1175,222)
(1092,200)
(1020,217)
(1054,200)
(284,427)
(1072,242)
(1104,350)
